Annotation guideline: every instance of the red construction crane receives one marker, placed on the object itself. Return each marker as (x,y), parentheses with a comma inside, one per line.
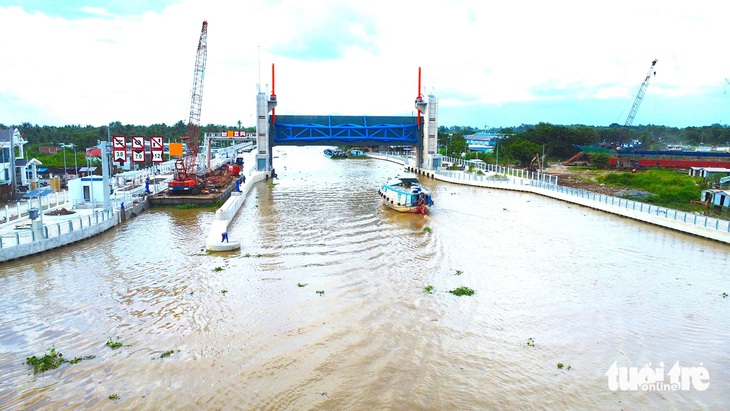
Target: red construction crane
(185,179)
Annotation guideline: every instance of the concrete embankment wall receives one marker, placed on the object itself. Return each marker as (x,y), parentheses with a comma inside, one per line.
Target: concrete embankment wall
(106,220)
(662,217)
(225,214)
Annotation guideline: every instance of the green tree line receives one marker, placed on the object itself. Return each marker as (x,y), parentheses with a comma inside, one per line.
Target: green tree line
(84,137)
(519,145)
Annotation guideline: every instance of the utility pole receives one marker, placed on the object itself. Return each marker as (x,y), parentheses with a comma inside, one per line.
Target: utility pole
(76,164)
(13,183)
(65,173)
(105,175)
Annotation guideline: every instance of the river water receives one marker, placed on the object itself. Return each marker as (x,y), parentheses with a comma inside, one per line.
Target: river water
(325,306)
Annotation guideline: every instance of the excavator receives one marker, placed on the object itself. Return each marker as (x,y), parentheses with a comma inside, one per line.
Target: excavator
(536,164)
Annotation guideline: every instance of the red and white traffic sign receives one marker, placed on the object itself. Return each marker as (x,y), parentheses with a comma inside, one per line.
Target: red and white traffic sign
(120,156)
(137,143)
(157,147)
(157,157)
(156,143)
(119,149)
(119,142)
(138,156)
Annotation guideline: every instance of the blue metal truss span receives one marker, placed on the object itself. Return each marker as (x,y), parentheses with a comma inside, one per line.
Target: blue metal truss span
(345,130)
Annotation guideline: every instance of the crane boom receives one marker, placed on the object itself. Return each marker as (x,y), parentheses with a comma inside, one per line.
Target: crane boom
(196,99)
(640,94)
(185,178)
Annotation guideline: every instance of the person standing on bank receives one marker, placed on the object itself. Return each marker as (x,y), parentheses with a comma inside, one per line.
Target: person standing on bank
(224,236)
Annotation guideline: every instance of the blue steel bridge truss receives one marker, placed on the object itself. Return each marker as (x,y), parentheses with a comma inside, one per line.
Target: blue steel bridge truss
(345,130)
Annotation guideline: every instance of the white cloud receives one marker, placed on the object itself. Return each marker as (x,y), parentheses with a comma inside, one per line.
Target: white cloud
(361,57)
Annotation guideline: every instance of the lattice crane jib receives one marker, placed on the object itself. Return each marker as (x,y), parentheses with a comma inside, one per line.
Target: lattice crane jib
(640,94)
(185,166)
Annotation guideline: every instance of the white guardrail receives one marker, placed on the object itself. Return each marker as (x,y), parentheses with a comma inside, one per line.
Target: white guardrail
(492,175)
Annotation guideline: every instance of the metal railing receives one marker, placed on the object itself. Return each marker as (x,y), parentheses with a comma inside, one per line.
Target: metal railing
(492,173)
(28,233)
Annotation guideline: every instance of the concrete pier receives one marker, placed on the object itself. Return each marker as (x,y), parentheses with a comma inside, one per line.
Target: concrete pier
(225,214)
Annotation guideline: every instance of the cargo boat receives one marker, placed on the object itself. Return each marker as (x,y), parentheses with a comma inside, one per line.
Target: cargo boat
(405,194)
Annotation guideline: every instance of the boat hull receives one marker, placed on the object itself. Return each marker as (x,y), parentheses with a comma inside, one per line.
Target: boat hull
(413,209)
(409,198)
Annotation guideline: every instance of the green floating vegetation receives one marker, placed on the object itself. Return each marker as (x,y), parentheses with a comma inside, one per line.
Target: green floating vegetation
(301,285)
(462,291)
(530,342)
(218,269)
(320,292)
(272,185)
(224,292)
(724,295)
(113,344)
(50,361)
(429,289)
(560,365)
(427,229)
(212,206)
(167,353)
(459,272)
(77,360)
(113,397)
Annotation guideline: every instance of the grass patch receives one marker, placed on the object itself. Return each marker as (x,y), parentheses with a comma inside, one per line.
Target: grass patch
(213,206)
(427,229)
(462,291)
(669,188)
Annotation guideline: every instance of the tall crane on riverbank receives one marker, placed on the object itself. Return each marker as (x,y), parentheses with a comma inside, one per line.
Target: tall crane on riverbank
(185,179)
(640,94)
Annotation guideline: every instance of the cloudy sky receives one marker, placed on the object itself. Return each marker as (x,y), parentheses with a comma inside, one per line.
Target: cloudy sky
(490,63)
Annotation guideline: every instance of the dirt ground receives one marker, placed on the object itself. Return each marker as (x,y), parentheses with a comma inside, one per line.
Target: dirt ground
(586,180)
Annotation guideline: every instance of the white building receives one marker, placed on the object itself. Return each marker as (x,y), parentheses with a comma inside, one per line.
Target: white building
(86,192)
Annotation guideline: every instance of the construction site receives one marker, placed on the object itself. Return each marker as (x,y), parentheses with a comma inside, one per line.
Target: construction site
(193,182)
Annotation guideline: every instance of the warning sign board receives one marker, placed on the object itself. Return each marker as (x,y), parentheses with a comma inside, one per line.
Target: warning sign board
(156,148)
(138,149)
(157,157)
(156,143)
(119,142)
(138,156)
(119,149)
(137,143)
(120,156)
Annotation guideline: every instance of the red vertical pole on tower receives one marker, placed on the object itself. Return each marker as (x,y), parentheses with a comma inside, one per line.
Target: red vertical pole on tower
(273,93)
(419,97)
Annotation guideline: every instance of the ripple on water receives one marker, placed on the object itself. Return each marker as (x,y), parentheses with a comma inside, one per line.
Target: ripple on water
(587,288)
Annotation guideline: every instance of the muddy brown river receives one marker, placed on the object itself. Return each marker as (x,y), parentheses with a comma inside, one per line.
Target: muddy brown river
(325,306)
